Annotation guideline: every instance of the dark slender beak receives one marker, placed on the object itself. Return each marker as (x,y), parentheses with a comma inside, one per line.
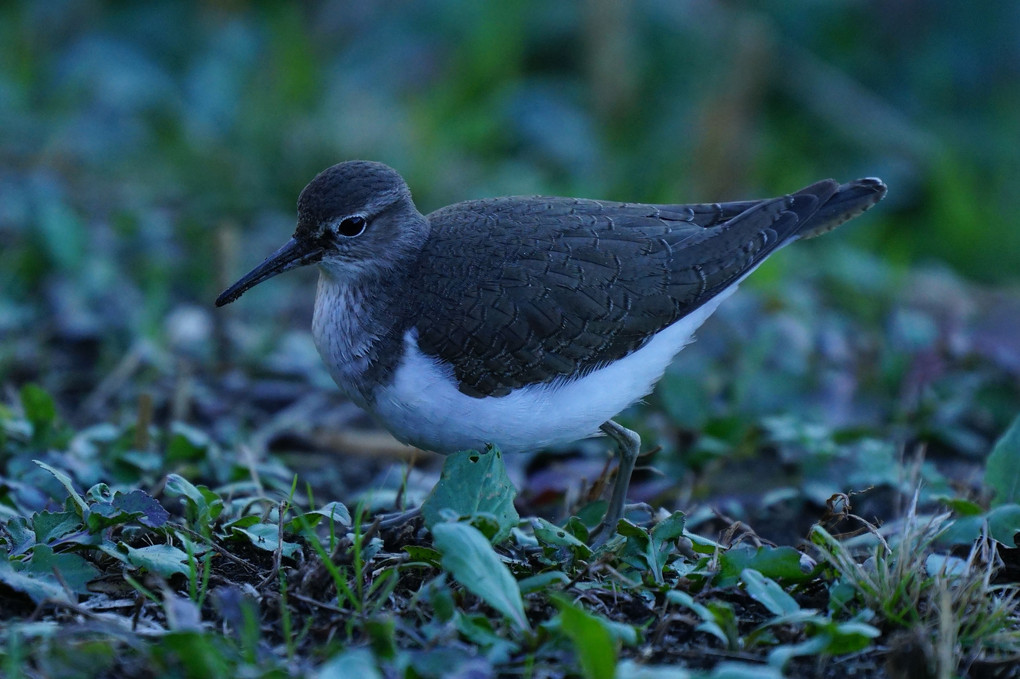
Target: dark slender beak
(293,254)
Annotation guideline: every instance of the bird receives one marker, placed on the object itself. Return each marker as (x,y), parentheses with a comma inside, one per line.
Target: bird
(523,322)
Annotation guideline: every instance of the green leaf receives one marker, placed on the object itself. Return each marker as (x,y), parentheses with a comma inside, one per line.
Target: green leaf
(355,662)
(40,411)
(541,581)
(739,670)
(143,506)
(187,444)
(382,635)
(595,647)
(166,560)
(38,589)
(114,509)
(629,669)
(474,483)
(50,526)
(960,506)
(36,577)
(423,554)
(828,639)
(200,654)
(550,534)
(768,593)
(203,504)
(477,629)
(639,551)
(266,536)
(709,624)
(75,571)
(472,562)
(1002,468)
(102,515)
(333,511)
(670,528)
(68,485)
(22,535)
(782,563)
(1003,524)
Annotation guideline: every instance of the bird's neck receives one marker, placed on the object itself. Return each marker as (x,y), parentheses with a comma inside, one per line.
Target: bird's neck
(357,327)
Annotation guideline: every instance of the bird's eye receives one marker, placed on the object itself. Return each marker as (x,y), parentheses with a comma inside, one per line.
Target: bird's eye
(352,226)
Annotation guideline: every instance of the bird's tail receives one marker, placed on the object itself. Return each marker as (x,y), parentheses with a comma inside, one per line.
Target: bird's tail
(848,201)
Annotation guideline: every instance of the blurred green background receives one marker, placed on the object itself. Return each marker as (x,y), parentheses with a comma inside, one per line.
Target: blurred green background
(151,152)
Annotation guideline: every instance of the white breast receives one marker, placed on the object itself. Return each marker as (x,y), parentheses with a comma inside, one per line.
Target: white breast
(423,407)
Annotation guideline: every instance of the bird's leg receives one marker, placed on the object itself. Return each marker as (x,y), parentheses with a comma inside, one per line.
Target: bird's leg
(628,446)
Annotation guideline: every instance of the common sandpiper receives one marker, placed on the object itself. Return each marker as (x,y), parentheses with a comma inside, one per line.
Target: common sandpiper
(523,322)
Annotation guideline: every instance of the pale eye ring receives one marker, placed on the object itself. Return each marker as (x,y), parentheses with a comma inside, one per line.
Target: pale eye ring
(352,226)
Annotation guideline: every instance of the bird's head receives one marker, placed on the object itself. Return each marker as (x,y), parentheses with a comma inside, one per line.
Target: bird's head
(353,217)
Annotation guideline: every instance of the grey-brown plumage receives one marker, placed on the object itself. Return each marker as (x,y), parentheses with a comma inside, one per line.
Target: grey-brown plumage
(522,321)
(556,287)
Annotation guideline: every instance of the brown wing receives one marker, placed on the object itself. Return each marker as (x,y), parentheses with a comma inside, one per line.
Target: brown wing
(536,289)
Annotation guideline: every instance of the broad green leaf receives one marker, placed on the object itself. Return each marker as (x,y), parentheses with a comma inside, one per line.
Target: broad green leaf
(486,523)
(140,504)
(36,578)
(829,639)
(850,637)
(474,483)
(38,589)
(781,563)
(75,571)
(203,504)
(165,560)
(21,535)
(333,511)
(242,522)
(541,581)
(423,554)
(670,528)
(102,515)
(66,482)
(1002,468)
(960,506)
(1003,523)
(50,526)
(550,534)
(768,593)
(267,536)
(703,545)
(472,562)
(593,644)
(99,493)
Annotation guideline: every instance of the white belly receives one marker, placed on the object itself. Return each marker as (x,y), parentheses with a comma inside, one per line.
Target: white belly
(423,407)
